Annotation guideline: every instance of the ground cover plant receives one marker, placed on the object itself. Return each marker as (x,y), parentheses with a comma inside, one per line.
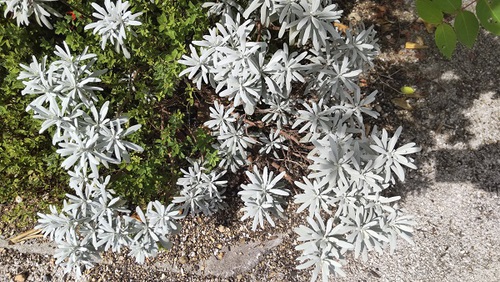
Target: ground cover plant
(284,77)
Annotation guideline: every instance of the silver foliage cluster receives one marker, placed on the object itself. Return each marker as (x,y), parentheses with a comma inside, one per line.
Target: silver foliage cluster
(263,197)
(93,219)
(349,167)
(201,190)
(232,137)
(346,180)
(21,10)
(66,97)
(261,99)
(114,21)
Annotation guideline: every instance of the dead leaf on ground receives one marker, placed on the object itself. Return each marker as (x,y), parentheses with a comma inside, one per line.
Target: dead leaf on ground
(415,45)
(402,103)
(30,234)
(341,27)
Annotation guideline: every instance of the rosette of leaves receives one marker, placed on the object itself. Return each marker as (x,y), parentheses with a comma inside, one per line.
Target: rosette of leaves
(273,143)
(316,118)
(390,157)
(317,196)
(314,23)
(201,190)
(221,118)
(233,145)
(114,21)
(263,197)
(283,69)
(360,45)
(278,112)
(323,247)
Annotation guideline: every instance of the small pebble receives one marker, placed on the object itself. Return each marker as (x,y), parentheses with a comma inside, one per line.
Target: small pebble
(20,277)
(220,255)
(183,260)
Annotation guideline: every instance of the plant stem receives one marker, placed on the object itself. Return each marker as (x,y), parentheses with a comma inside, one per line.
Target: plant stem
(466,6)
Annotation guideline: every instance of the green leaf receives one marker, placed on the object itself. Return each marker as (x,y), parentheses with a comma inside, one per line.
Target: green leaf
(429,11)
(488,13)
(446,40)
(466,28)
(449,6)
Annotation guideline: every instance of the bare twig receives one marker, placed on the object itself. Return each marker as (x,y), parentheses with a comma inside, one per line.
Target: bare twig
(30,234)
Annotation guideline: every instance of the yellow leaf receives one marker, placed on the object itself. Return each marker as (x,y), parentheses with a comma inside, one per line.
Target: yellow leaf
(413,45)
(341,27)
(407,90)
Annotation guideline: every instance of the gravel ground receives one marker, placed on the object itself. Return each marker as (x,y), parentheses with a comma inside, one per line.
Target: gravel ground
(453,194)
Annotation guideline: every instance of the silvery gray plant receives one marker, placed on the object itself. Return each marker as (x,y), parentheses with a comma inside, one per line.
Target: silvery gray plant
(22,9)
(311,82)
(93,219)
(114,20)
(349,167)
(201,190)
(113,24)
(263,197)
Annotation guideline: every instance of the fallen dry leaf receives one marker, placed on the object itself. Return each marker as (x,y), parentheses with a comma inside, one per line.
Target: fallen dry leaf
(341,27)
(414,45)
(402,103)
(30,234)
(420,40)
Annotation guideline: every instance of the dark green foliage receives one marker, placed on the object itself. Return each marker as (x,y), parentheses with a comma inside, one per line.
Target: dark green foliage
(466,26)
(145,88)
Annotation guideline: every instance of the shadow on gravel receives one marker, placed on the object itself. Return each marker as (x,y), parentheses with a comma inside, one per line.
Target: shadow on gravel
(481,166)
(449,90)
